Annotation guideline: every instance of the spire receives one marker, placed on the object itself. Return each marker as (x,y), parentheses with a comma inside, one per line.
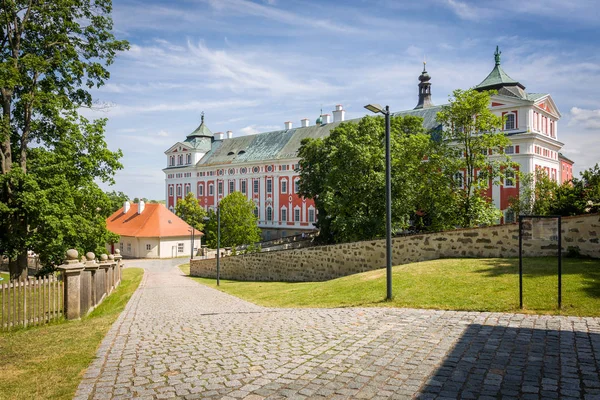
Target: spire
(424,89)
(202,130)
(201,117)
(497,56)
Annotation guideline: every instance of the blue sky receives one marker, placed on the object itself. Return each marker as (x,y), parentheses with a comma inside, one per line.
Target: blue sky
(251,65)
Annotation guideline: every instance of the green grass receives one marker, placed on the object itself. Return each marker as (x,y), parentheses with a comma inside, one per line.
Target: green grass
(48,362)
(448,284)
(5,275)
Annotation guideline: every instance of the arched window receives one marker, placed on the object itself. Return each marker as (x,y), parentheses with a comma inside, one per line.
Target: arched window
(200,190)
(510,122)
(297,186)
(284,214)
(170,190)
(179,190)
(189,159)
(256,211)
(509,178)
(211,189)
(269,214)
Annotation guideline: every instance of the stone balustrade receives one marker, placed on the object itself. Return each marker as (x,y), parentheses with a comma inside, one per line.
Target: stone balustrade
(87,282)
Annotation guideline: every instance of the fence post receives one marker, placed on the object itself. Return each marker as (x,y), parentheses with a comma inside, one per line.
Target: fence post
(118,258)
(71,271)
(92,266)
(107,265)
(104,266)
(115,271)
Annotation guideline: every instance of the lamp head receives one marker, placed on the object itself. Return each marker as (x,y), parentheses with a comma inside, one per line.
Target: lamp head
(375,108)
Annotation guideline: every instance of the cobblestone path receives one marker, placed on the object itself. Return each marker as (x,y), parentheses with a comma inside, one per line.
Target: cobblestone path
(179,339)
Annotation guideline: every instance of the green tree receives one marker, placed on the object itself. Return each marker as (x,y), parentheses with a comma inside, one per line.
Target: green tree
(239,225)
(474,133)
(345,175)
(51,53)
(117,199)
(189,210)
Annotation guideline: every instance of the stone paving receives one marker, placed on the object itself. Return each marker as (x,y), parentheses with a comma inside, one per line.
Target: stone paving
(179,339)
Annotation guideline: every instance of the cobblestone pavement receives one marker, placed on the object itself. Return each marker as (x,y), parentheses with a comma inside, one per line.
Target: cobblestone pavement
(179,339)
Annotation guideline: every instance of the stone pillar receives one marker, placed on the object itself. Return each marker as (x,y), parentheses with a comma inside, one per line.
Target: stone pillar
(118,258)
(71,271)
(104,268)
(92,267)
(115,270)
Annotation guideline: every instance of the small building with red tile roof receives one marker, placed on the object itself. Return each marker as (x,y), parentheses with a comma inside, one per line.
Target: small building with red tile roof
(151,231)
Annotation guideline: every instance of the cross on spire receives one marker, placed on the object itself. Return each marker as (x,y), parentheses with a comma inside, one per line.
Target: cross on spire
(497,56)
(202,117)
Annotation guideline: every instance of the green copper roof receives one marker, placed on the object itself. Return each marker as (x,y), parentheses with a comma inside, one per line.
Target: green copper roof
(202,130)
(535,96)
(497,78)
(284,144)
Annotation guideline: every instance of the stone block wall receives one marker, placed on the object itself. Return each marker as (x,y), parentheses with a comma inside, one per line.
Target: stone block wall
(333,261)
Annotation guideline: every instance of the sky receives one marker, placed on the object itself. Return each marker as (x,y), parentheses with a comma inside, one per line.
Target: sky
(252,65)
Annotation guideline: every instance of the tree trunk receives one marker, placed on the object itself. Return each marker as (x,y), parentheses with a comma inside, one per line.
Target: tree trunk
(18,267)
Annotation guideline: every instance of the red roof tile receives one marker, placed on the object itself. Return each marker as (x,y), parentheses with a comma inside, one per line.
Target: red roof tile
(154,221)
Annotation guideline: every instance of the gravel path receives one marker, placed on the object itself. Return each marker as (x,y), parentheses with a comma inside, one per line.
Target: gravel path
(179,339)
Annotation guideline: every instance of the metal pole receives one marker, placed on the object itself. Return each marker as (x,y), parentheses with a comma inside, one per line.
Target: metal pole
(559,262)
(520,261)
(218,245)
(192,246)
(388,197)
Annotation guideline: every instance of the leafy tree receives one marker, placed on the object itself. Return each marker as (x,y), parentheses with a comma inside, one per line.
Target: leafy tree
(542,196)
(117,199)
(478,144)
(345,175)
(51,53)
(189,210)
(238,223)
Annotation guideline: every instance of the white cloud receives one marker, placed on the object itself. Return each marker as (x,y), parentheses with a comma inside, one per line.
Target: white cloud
(254,129)
(588,119)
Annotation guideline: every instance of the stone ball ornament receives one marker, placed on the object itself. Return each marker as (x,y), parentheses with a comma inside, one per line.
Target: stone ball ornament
(103,257)
(72,254)
(90,256)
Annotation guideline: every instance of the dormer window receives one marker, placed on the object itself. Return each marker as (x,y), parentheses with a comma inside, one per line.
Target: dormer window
(171,161)
(188,159)
(230,153)
(510,122)
(180,160)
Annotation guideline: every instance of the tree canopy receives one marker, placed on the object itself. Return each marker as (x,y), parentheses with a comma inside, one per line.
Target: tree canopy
(239,225)
(477,143)
(51,53)
(345,175)
(189,210)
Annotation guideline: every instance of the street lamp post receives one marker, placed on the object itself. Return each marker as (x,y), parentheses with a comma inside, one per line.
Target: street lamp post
(376,108)
(192,246)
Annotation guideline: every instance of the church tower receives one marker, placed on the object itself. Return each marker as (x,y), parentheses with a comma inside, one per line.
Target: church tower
(424,90)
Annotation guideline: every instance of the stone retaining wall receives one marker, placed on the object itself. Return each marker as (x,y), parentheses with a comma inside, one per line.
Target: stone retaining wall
(328,262)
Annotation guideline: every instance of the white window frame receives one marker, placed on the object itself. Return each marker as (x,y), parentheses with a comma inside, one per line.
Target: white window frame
(129,247)
(231,186)
(148,247)
(283,214)
(269,185)
(121,246)
(178,190)
(188,159)
(510,220)
(256,186)
(297,214)
(220,187)
(171,190)
(311,215)
(269,214)
(201,189)
(188,188)
(509,178)
(180,247)
(460,177)
(509,149)
(510,125)
(211,190)
(243,186)
(284,186)
(297,185)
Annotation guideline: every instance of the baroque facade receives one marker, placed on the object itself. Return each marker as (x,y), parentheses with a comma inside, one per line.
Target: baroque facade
(263,166)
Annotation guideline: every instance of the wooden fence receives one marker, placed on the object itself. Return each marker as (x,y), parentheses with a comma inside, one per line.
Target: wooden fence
(31,301)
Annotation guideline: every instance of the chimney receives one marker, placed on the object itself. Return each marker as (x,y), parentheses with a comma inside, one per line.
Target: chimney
(219,136)
(326,118)
(126,206)
(288,125)
(141,206)
(304,122)
(229,134)
(339,114)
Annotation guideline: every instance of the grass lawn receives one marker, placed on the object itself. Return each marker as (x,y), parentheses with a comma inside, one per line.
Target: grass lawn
(48,361)
(449,284)
(4,275)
